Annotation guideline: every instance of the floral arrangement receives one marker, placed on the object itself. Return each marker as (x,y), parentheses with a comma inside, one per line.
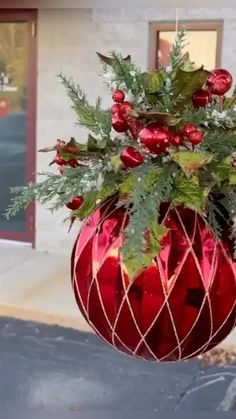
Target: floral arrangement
(169,136)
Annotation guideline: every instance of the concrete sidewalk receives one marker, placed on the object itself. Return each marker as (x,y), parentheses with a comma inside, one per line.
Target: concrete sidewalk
(36,286)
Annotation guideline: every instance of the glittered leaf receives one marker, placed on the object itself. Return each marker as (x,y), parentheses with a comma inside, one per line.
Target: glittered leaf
(187,82)
(191,162)
(152,81)
(188,192)
(95,145)
(116,163)
(161,118)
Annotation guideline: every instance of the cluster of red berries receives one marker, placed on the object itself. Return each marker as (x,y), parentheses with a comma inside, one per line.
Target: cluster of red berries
(157,140)
(218,83)
(122,121)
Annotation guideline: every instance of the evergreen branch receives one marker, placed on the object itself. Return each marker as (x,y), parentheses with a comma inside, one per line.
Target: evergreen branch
(92,117)
(175,55)
(57,189)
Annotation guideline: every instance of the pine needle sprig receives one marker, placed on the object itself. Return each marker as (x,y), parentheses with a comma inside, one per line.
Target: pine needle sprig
(94,118)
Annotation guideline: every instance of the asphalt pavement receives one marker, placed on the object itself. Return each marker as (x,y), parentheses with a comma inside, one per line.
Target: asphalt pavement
(50,371)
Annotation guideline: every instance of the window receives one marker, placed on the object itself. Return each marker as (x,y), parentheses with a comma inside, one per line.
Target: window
(204,39)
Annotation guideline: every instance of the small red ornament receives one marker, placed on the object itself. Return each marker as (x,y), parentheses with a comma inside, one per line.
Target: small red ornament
(155,138)
(76,203)
(118,96)
(189,128)
(196,137)
(177,140)
(219,81)
(134,125)
(201,98)
(131,157)
(119,123)
(115,108)
(182,305)
(125,107)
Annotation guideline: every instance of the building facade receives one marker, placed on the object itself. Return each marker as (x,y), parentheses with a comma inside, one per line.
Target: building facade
(35,45)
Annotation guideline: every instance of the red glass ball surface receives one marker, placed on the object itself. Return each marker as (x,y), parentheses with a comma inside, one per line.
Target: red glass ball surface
(201,98)
(131,157)
(180,306)
(126,107)
(118,96)
(155,138)
(188,128)
(219,81)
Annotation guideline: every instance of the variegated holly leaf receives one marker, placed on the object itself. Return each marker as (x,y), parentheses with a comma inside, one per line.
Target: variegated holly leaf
(188,192)
(109,60)
(188,82)
(152,81)
(191,162)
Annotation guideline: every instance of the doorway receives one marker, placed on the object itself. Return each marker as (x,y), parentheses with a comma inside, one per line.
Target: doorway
(17,116)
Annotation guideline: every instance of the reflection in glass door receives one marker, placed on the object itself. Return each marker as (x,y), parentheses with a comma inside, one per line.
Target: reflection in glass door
(17,137)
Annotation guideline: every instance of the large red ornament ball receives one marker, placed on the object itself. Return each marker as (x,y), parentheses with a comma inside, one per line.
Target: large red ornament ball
(219,81)
(180,306)
(155,138)
(201,98)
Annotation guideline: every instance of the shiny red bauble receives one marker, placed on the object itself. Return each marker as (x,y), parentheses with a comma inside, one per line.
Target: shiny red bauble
(119,123)
(182,305)
(118,96)
(125,107)
(115,108)
(76,203)
(188,128)
(155,138)
(219,81)
(196,137)
(201,98)
(131,157)
(177,140)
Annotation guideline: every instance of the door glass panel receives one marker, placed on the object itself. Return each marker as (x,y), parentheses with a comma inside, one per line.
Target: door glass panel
(13,116)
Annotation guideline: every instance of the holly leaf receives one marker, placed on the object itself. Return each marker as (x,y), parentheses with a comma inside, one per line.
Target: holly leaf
(160,117)
(152,81)
(232,178)
(188,192)
(223,169)
(191,162)
(128,184)
(187,82)
(96,145)
(134,265)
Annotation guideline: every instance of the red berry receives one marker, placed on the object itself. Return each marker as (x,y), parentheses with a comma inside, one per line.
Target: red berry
(201,98)
(219,82)
(118,96)
(75,203)
(196,137)
(118,122)
(177,140)
(72,163)
(131,157)
(188,129)
(155,138)
(115,108)
(126,107)
(59,160)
